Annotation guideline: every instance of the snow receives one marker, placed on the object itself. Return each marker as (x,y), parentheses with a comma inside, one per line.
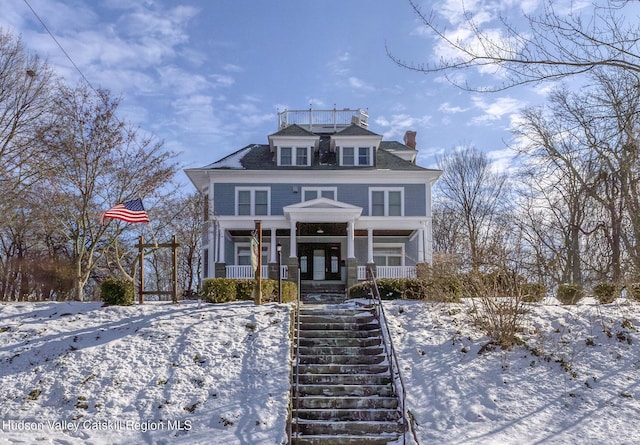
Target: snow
(234,160)
(573,380)
(201,374)
(156,373)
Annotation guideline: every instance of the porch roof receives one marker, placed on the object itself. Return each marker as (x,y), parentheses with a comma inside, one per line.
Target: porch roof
(322,210)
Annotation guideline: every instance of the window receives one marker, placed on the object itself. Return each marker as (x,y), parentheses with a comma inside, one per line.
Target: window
(285,155)
(309,193)
(290,156)
(243,254)
(251,201)
(348,156)
(386,201)
(301,156)
(388,255)
(363,156)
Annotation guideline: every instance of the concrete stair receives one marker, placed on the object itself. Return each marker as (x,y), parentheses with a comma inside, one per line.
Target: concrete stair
(345,392)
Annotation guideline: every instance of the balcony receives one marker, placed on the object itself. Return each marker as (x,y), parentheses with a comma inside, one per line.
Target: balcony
(323,121)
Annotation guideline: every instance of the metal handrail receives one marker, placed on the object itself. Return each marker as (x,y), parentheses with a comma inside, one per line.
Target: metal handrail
(390,350)
(296,363)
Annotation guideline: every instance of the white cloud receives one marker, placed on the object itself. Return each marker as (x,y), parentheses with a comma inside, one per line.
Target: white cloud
(495,110)
(399,123)
(359,84)
(446,107)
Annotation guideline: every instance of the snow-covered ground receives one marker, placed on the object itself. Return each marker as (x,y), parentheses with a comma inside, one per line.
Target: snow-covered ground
(78,373)
(219,374)
(576,379)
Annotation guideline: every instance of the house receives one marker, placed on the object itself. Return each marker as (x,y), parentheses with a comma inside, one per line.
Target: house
(331,194)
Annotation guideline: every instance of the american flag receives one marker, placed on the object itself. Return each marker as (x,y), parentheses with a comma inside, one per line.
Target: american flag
(130,211)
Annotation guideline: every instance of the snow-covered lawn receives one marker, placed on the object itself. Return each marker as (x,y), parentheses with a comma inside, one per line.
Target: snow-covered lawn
(219,374)
(576,379)
(77,373)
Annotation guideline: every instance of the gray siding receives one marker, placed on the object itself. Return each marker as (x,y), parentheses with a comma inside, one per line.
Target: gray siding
(283,195)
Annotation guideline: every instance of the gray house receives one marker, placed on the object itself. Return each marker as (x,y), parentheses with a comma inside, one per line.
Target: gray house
(331,193)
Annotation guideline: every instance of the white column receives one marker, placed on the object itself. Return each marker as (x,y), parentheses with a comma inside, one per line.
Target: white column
(293,249)
(428,248)
(221,239)
(350,240)
(273,241)
(421,245)
(369,246)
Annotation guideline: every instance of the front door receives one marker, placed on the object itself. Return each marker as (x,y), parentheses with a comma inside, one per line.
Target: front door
(319,261)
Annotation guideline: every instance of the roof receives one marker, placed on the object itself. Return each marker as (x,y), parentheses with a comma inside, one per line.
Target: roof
(262,157)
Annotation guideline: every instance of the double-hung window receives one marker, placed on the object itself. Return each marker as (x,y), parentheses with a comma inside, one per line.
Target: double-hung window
(386,201)
(388,255)
(285,156)
(302,155)
(348,156)
(364,156)
(251,201)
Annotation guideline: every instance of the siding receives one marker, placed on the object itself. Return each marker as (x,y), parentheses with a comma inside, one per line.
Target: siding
(283,195)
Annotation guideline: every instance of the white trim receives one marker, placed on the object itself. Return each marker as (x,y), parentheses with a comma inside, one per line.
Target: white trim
(386,191)
(252,201)
(294,155)
(322,210)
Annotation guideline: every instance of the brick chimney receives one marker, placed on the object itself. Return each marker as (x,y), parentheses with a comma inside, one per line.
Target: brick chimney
(410,139)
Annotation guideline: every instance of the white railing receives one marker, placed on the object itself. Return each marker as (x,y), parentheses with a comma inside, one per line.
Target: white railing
(323,118)
(389,272)
(246,272)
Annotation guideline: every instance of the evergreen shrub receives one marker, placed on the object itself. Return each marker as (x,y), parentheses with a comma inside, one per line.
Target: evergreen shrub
(117,292)
(223,290)
(570,293)
(605,292)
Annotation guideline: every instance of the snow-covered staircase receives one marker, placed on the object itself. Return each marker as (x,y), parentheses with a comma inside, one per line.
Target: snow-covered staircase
(343,391)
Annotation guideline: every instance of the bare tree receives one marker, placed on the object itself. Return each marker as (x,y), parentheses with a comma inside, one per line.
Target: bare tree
(550,45)
(25,81)
(96,161)
(474,192)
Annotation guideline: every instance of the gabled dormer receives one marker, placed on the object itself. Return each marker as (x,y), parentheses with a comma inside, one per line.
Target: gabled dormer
(355,146)
(293,146)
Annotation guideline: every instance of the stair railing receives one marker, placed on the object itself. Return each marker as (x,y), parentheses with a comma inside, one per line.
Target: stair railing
(390,351)
(296,363)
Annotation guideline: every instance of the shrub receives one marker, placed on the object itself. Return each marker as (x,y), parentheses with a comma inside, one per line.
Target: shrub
(533,292)
(605,292)
(218,290)
(223,290)
(633,291)
(570,293)
(446,289)
(117,292)
(359,290)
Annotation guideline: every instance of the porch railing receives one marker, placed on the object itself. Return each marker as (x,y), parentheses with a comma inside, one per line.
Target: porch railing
(247,272)
(389,272)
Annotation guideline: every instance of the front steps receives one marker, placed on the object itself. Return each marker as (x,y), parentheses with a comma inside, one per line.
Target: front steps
(345,391)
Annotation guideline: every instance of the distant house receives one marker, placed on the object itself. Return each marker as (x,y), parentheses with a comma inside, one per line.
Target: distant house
(331,193)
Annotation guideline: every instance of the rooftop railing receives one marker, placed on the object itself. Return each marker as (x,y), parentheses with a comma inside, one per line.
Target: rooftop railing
(323,120)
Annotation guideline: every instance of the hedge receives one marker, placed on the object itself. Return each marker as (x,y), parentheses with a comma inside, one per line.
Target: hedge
(223,290)
(437,289)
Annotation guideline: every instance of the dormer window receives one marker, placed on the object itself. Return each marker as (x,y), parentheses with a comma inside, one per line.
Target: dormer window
(360,156)
(294,156)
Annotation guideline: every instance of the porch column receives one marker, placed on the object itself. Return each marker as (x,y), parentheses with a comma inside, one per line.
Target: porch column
(428,250)
(350,240)
(370,246)
(221,242)
(421,245)
(273,257)
(293,249)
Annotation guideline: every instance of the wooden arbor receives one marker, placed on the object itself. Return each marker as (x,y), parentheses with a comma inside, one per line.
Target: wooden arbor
(174,276)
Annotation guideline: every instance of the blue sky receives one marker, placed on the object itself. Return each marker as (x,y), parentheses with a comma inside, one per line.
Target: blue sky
(208,77)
